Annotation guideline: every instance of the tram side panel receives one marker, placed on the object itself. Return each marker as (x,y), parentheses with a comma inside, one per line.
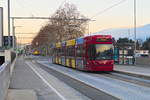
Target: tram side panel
(70,57)
(54,55)
(63,58)
(79,57)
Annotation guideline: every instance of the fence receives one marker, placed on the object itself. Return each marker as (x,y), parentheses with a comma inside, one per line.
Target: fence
(5,74)
(4,79)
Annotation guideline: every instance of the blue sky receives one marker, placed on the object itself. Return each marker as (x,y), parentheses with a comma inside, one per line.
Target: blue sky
(120,16)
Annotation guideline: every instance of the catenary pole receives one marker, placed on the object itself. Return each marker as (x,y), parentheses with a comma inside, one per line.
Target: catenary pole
(9,42)
(135,30)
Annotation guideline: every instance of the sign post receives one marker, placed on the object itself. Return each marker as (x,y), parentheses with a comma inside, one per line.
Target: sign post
(1,26)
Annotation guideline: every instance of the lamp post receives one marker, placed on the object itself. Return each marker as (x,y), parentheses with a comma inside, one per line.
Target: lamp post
(14,36)
(135,30)
(89,26)
(9,42)
(13,33)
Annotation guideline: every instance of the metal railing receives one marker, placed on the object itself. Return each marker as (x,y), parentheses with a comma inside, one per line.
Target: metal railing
(4,79)
(5,74)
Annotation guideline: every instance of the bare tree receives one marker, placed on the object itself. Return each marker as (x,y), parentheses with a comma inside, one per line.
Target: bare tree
(45,35)
(67,23)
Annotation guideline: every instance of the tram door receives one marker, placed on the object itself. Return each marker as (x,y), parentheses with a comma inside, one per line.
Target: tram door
(79,56)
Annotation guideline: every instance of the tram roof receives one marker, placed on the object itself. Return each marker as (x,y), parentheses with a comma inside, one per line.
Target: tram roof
(80,40)
(63,43)
(96,35)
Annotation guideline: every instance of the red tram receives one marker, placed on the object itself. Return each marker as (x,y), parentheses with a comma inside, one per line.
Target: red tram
(90,53)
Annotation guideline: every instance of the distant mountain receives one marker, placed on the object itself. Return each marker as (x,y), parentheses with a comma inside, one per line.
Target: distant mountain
(143,32)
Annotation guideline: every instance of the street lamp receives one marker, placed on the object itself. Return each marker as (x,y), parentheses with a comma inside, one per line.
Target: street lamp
(135,30)
(89,26)
(9,42)
(14,31)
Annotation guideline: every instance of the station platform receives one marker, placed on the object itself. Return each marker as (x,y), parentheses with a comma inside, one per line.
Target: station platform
(139,70)
(16,94)
(30,82)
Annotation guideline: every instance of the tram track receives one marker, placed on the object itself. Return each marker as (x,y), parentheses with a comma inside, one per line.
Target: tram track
(126,84)
(125,77)
(89,91)
(100,86)
(131,78)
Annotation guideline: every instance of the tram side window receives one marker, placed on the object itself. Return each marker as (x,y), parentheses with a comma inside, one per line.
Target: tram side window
(91,52)
(73,51)
(70,51)
(79,51)
(62,52)
(58,52)
(54,51)
(67,51)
